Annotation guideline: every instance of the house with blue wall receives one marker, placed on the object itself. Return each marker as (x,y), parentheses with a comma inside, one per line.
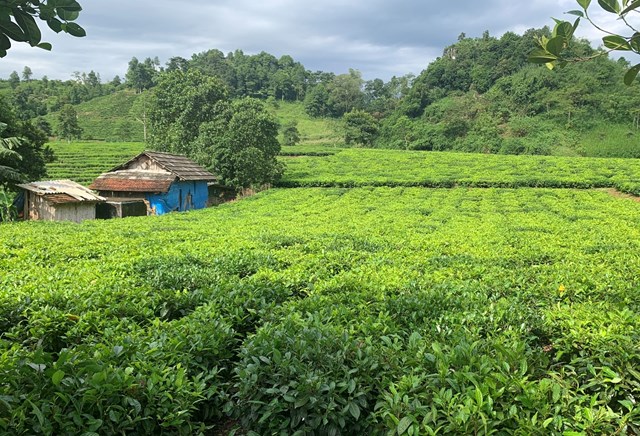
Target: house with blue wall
(153,183)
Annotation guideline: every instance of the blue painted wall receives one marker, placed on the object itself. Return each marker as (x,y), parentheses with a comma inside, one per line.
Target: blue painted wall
(181,196)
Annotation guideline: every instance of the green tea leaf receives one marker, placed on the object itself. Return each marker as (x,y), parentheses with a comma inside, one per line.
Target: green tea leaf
(404,424)
(354,410)
(57,377)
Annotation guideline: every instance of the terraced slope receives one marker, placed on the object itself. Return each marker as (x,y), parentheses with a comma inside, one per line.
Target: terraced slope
(84,161)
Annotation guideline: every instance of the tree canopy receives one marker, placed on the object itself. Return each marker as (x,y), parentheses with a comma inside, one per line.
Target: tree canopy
(242,144)
(181,103)
(142,75)
(361,128)
(191,114)
(18,21)
(23,154)
(68,127)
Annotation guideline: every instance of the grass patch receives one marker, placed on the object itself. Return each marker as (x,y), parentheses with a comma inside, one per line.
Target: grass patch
(610,140)
(313,131)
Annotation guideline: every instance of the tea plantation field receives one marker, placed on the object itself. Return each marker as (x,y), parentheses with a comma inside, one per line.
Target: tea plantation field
(371,310)
(84,161)
(366,167)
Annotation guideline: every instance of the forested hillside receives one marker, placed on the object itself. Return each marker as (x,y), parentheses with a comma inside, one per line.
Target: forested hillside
(481,95)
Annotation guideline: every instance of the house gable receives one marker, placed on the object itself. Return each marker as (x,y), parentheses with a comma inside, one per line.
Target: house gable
(180,166)
(145,163)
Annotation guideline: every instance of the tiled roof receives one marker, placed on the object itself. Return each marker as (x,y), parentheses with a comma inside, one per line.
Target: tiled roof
(182,167)
(133,181)
(62,191)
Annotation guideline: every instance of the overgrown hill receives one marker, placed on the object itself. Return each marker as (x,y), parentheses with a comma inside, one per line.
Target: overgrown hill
(483,96)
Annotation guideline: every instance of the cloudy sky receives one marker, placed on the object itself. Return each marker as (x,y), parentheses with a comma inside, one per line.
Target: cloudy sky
(381,38)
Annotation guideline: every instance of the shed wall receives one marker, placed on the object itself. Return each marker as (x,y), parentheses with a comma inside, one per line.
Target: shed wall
(76,212)
(37,208)
(181,196)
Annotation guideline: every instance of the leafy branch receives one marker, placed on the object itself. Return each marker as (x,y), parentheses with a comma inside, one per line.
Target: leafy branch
(18,21)
(554,51)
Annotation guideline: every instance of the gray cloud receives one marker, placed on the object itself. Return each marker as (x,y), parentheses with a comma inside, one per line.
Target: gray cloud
(381,38)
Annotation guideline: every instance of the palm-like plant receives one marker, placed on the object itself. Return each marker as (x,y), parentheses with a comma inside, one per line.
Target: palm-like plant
(8,155)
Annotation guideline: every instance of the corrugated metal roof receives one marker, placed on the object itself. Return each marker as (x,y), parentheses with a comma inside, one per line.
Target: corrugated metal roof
(133,181)
(62,191)
(182,167)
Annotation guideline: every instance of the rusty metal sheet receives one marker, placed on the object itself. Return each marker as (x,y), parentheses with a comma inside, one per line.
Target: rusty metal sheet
(133,181)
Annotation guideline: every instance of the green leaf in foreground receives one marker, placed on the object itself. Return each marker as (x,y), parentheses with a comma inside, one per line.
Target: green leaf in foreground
(616,42)
(584,3)
(541,56)
(631,75)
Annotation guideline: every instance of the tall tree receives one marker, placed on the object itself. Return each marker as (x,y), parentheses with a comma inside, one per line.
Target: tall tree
(181,102)
(68,127)
(190,114)
(141,75)
(316,102)
(177,63)
(345,92)
(14,79)
(23,155)
(26,74)
(214,63)
(360,128)
(242,144)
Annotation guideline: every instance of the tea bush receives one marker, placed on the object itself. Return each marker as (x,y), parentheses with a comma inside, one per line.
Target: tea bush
(372,310)
(366,167)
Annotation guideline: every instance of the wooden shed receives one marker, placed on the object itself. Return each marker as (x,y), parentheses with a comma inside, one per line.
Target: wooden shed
(153,183)
(59,200)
